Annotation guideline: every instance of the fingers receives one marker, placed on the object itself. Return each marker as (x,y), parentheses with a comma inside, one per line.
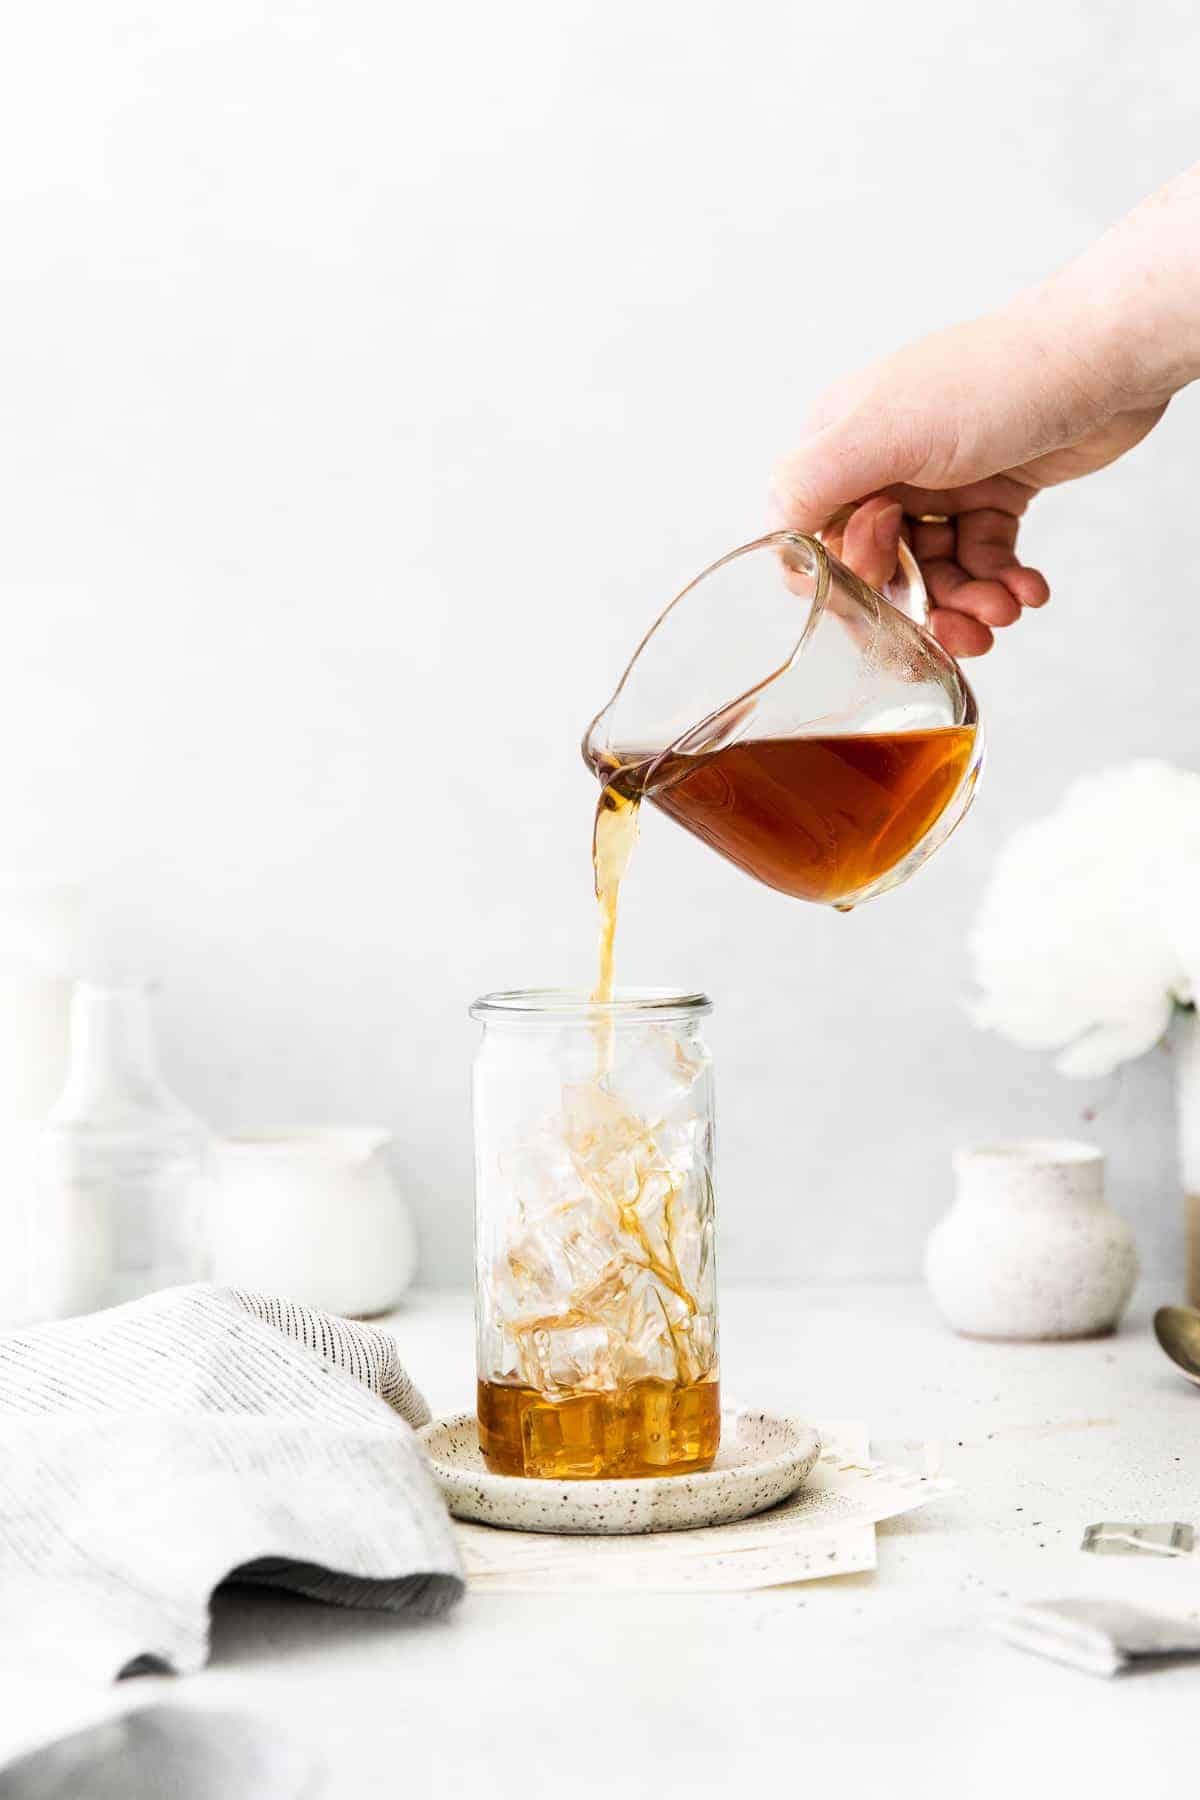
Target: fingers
(931,543)
(965,609)
(871,540)
(1029,586)
(951,586)
(973,574)
(962,636)
(976,583)
(985,547)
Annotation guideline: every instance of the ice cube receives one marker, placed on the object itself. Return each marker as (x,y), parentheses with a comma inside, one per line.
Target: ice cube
(654,1074)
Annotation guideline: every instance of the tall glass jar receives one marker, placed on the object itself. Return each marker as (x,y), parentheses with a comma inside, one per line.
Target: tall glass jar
(595,1279)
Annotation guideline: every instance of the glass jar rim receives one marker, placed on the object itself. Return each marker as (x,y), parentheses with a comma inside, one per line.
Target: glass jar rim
(541,1006)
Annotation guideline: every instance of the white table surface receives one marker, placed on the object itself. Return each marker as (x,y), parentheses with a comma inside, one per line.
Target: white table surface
(889,1682)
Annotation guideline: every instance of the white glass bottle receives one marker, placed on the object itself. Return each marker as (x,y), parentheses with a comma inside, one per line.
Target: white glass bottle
(40,932)
(122,1167)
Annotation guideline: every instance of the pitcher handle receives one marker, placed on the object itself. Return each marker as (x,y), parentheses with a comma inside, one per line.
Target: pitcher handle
(906,590)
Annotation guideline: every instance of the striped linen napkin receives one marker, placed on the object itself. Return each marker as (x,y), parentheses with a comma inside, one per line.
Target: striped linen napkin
(152,1452)
(161,1751)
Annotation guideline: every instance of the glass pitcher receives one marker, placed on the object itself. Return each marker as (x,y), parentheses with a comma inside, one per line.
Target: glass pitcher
(807,728)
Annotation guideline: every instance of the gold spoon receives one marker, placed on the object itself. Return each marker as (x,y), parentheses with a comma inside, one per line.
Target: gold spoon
(1177,1329)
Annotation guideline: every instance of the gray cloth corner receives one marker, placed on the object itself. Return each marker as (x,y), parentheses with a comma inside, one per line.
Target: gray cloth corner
(153,1451)
(165,1753)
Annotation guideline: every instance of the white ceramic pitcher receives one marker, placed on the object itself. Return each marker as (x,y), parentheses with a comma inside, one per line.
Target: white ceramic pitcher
(314,1215)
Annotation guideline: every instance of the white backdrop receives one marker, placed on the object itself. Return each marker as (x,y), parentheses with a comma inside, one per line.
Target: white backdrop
(371,375)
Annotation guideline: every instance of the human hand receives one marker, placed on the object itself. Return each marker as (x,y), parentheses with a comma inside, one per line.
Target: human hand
(949,441)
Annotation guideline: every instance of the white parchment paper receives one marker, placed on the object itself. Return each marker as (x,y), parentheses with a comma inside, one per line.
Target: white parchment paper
(827,1528)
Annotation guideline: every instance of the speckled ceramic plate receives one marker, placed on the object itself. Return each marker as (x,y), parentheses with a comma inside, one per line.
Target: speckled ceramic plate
(763,1458)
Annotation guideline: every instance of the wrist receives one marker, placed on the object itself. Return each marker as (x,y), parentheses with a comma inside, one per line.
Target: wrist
(1131,303)
(1075,352)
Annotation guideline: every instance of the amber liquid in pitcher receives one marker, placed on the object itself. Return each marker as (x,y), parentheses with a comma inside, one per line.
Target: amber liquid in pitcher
(821,818)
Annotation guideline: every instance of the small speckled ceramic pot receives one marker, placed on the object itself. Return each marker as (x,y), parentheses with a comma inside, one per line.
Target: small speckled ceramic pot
(1031,1248)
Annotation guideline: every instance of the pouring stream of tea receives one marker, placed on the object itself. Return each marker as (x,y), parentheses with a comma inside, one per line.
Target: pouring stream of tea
(613,839)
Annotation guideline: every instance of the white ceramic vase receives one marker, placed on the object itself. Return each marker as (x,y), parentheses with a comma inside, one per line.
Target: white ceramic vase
(1031,1247)
(314,1215)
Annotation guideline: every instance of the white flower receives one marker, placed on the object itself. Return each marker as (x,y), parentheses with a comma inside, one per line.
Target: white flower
(1090,929)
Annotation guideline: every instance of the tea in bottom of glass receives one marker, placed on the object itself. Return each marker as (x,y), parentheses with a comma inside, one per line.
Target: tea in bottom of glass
(649,1428)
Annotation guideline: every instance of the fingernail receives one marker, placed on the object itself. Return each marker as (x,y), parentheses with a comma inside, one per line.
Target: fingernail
(887,527)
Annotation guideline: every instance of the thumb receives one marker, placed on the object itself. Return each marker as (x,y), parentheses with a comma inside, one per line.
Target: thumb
(846,460)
